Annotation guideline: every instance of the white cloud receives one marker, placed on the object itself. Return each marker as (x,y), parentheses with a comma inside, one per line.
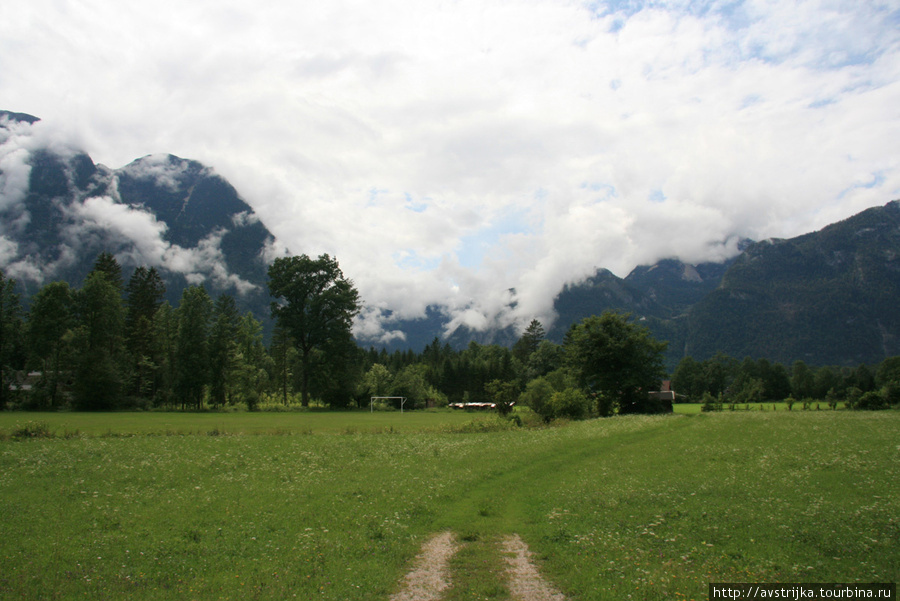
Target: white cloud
(402,136)
(159,168)
(144,243)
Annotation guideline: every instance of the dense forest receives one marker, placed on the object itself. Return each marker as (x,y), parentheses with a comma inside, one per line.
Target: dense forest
(116,345)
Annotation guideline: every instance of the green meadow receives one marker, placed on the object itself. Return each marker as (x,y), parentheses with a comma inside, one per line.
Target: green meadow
(335,505)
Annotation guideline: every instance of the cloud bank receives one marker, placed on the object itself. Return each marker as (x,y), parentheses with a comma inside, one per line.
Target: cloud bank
(477,155)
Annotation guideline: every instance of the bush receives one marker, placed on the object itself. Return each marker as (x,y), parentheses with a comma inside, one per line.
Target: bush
(891,393)
(32,430)
(872,401)
(711,403)
(571,403)
(537,396)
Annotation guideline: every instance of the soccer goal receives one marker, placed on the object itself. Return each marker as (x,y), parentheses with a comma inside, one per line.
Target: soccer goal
(386,398)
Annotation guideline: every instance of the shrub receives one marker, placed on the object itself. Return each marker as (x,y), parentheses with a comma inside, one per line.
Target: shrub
(571,403)
(32,430)
(537,396)
(872,401)
(710,403)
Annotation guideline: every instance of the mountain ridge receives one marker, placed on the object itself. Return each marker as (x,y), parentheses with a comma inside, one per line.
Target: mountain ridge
(61,210)
(827,297)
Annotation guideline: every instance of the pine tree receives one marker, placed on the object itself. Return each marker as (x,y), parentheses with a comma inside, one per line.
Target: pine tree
(98,375)
(191,353)
(50,334)
(145,292)
(222,348)
(10,327)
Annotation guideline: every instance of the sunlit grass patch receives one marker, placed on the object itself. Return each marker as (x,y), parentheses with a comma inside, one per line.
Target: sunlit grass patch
(653,507)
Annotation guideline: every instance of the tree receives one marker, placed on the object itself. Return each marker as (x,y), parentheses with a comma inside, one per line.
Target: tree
(503,394)
(537,396)
(98,374)
(315,303)
(106,263)
(144,296)
(529,342)
(250,362)
(618,359)
(165,346)
(721,371)
(410,383)
(690,379)
(191,352)
(10,325)
(336,368)
(377,381)
(222,348)
(888,371)
(283,356)
(49,333)
(570,403)
(803,380)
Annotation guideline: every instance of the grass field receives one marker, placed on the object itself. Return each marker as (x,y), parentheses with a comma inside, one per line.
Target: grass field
(178,423)
(194,506)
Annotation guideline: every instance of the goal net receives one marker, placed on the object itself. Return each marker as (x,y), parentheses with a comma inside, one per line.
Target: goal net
(402,400)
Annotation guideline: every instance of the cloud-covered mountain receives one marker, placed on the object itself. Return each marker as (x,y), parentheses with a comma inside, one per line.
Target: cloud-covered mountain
(828,297)
(58,210)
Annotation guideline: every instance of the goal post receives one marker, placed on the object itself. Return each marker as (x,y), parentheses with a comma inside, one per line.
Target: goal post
(402,400)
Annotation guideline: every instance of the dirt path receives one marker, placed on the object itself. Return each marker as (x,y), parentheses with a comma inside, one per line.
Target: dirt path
(525,582)
(431,574)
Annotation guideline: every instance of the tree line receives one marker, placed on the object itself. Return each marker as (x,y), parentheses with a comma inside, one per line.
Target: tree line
(114,345)
(724,381)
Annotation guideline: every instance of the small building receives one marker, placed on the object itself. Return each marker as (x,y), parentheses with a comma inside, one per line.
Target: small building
(665,396)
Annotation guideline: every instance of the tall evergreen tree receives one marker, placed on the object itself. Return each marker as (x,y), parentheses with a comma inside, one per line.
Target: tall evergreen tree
(165,346)
(191,353)
(10,327)
(222,348)
(106,263)
(144,296)
(101,315)
(530,340)
(49,332)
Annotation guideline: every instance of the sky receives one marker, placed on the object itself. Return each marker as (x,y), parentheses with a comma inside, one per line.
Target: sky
(479,155)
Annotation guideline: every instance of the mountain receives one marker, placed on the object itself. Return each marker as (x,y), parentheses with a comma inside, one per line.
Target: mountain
(828,297)
(59,210)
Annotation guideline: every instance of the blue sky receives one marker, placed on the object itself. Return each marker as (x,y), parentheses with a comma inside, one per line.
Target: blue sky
(448,152)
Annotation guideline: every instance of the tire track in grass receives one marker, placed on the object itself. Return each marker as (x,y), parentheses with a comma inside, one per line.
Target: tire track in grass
(430,577)
(525,582)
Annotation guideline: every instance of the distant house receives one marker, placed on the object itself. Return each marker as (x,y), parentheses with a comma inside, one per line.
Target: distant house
(475,406)
(25,382)
(665,396)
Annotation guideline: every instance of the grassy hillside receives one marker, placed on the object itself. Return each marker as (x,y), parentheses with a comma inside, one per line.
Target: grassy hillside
(637,507)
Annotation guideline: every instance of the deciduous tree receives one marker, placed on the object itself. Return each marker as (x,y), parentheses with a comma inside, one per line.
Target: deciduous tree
(315,303)
(618,359)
